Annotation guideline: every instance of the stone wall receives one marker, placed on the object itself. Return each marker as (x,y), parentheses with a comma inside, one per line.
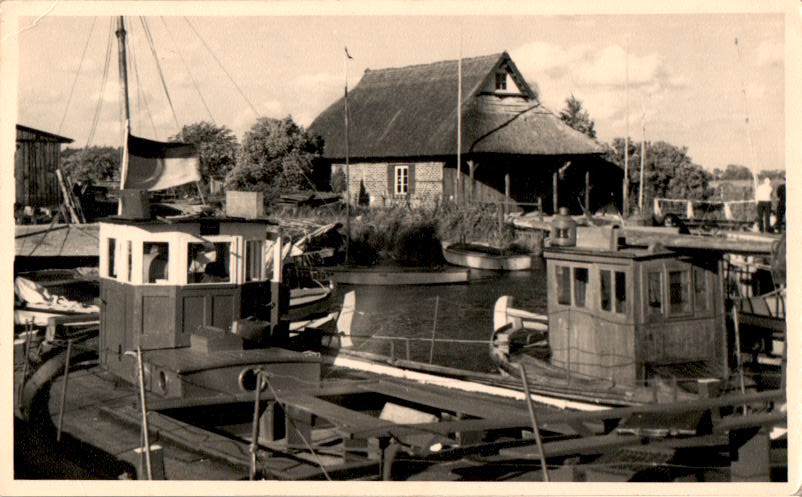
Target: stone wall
(426,187)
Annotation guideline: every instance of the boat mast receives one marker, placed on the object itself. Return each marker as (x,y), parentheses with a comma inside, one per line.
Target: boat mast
(458,179)
(347,169)
(625,209)
(124,107)
(642,157)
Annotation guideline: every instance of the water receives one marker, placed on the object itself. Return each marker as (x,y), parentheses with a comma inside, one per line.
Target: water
(464,312)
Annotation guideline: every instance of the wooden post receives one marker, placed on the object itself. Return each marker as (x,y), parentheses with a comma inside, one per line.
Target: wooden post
(738,351)
(533,418)
(471,168)
(434,327)
(507,190)
(406,341)
(254,447)
(554,192)
(587,190)
(64,392)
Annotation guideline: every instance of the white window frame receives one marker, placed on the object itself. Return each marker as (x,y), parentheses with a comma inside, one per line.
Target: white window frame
(401,180)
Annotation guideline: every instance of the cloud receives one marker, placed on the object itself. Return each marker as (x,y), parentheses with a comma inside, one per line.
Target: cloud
(319,80)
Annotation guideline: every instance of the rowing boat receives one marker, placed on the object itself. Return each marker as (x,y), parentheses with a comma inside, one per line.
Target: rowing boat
(479,256)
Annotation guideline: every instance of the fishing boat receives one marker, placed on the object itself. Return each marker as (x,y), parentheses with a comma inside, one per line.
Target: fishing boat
(398,276)
(625,325)
(480,256)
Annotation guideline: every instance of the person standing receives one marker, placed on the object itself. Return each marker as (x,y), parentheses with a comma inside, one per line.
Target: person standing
(763,198)
(779,224)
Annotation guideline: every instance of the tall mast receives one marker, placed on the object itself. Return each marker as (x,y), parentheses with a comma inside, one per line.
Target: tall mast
(124,109)
(642,157)
(347,169)
(123,65)
(626,137)
(457,179)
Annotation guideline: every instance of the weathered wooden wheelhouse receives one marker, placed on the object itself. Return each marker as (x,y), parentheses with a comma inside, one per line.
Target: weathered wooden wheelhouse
(195,296)
(634,314)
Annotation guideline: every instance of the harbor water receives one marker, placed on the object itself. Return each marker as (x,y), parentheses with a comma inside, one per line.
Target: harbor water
(396,320)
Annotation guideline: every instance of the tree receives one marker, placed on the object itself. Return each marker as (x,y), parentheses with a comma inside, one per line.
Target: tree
(734,171)
(91,163)
(217,148)
(276,154)
(668,172)
(573,115)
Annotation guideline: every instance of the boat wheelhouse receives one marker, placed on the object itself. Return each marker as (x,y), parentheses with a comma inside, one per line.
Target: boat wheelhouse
(195,295)
(634,314)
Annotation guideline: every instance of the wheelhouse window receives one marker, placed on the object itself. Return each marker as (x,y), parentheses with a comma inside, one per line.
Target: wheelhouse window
(700,288)
(580,286)
(679,283)
(563,274)
(111,252)
(655,293)
(209,262)
(253,260)
(613,291)
(155,260)
(401,180)
(620,292)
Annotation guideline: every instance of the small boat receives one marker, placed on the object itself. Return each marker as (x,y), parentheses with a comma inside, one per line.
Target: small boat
(479,256)
(398,276)
(35,303)
(306,302)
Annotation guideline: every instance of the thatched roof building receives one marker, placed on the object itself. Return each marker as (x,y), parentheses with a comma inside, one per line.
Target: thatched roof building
(409,115)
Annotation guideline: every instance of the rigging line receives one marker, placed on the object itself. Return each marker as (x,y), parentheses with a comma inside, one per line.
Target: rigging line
(77,73)
(140,90)
(96,117)
(186,66)
(159,68)
(221,67)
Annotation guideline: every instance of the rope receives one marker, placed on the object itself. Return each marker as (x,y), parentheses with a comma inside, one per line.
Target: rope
(149,38)
(77,73)
(140,91)
(105,79)
(186,66)
(220,64)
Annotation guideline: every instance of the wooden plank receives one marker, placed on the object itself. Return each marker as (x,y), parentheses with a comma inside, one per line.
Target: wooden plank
(457,402)
(344,418)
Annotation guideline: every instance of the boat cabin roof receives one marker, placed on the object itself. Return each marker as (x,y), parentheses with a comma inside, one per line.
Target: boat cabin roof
(587,254)
(185,251)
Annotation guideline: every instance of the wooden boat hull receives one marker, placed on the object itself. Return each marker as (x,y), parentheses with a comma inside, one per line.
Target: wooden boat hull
(399,276)
(307,302)
(480,257)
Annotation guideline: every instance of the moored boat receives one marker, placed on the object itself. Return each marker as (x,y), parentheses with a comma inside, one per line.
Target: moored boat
(479,256)
(624,325)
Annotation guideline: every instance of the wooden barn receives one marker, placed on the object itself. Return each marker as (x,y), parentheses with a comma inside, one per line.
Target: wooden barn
(35,162)
(403,140)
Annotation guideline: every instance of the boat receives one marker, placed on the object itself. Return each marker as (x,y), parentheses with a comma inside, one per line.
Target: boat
(480,256)
(306,302)
(398,276)
(625,325)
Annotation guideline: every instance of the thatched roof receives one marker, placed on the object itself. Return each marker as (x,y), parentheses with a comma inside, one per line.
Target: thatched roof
(412,112)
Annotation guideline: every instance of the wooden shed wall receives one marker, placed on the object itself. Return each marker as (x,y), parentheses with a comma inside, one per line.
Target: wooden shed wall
(35,164)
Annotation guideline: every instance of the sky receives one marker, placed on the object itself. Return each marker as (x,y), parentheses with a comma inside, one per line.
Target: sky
(688,82)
